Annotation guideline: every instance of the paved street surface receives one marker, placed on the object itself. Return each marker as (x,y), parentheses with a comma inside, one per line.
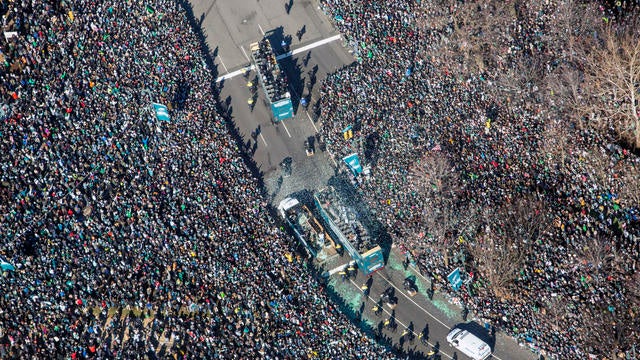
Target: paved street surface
(229,28)
(414,312)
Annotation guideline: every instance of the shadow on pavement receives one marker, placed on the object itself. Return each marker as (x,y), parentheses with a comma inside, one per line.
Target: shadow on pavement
(223,109)
(350,195)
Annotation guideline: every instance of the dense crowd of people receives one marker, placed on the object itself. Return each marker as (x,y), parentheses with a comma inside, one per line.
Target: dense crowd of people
(135,238)
(131,237)
(576,291)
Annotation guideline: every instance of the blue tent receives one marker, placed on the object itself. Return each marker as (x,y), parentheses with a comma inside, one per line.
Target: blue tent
(162,112)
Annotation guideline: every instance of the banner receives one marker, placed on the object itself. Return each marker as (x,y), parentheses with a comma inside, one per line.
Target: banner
(347,133)
(162,112)
(10,34)
(353,162)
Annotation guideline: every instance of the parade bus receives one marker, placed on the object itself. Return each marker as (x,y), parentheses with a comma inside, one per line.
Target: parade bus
(307,229)
(354,236)
(272,79)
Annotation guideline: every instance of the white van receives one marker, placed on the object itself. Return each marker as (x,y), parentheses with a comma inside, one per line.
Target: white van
(469,344)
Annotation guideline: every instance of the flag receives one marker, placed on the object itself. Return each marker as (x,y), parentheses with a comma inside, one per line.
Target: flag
(347,132)
(6,266)
(353,162)
(162,112)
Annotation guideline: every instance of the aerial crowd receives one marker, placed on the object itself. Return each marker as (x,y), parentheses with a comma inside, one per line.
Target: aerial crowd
(134,238)
(574,293)
(137,238)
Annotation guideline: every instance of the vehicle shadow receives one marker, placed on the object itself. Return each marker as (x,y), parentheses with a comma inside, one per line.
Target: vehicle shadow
(350,195)
(293,69)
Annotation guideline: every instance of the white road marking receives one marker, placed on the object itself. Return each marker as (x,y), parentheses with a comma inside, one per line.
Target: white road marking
(312,123)
(234,73)
(341,267)
(400,322)
(263,140)
(308,47)
(295,93)
(332,158)
(221,62)
(245,53)
(261,31)
(229,75)
(415,270)
(285,128)
(415,303)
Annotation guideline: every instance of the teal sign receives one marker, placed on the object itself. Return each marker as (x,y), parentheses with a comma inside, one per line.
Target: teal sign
(282,109)
(353,161)
(372,260)
(5,265)
(162,112)
(455,280)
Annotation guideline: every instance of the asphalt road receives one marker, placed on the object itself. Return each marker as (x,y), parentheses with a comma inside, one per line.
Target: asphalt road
(229,28)
(416,312)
